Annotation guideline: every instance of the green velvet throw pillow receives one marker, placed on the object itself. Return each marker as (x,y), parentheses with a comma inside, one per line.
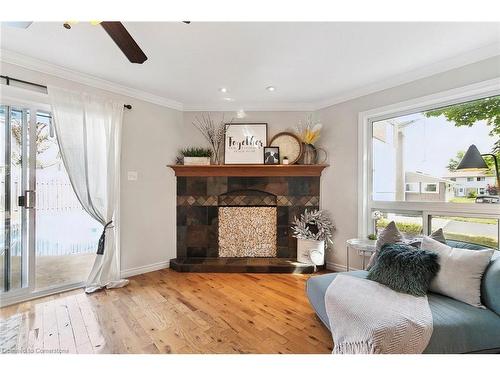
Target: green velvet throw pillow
(405,269)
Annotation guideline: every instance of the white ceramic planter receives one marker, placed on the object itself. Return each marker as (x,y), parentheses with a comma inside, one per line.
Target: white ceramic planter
(191,160)
(311,252)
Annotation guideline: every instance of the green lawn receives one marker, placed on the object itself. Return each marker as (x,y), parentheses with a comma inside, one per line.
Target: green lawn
(471,219)
(463,200)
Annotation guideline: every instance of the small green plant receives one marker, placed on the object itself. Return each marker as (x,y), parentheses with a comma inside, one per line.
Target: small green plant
(372,237)
(196,152)
(472,194)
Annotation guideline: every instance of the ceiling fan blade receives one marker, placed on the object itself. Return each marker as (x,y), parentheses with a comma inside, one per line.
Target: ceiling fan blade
(19,24)
(124,41)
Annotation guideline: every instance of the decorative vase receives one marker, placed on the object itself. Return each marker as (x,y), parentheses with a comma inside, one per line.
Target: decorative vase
(311,154)
(311,252)
(216,159)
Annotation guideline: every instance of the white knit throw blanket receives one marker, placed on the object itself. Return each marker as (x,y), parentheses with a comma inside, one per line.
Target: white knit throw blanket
(369,318)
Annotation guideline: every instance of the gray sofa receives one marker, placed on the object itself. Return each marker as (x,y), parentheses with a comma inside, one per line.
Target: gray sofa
(458,327)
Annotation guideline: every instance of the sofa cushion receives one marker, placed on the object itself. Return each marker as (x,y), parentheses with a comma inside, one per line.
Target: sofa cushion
(490,286)
(405,269)
(461,271)
(389,235)
(458,327)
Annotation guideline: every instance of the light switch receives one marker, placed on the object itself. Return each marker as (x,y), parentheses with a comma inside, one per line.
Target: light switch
(132,175)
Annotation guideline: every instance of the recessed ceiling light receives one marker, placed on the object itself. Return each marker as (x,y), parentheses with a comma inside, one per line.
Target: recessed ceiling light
(223,89)
(241,113)
(228,99)
(271,88)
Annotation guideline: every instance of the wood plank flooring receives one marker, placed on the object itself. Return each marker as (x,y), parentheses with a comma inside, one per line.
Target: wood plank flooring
(170,312)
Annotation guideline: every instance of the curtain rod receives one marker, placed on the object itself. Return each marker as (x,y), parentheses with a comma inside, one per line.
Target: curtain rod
(8,79)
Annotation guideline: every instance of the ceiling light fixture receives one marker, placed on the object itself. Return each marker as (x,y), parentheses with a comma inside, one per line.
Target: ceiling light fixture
(223,89)
(271,88)
(228,99)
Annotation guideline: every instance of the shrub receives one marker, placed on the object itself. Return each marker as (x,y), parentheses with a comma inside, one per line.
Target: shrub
(491,190)
(196,152)
(408,228)
(471,194)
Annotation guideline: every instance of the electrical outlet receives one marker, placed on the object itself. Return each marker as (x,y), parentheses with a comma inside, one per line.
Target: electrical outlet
(132,175)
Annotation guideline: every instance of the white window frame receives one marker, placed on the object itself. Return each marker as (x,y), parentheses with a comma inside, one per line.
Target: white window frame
(365,132)
(425,184)
(417,184)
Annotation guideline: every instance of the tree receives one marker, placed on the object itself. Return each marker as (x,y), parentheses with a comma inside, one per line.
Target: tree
(453,163)
(467,114)
(43,143)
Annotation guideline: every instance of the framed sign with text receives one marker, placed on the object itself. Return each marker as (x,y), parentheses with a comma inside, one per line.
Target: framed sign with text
(244,143)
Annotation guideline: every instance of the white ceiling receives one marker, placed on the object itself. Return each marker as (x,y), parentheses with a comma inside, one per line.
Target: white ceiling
(308,63)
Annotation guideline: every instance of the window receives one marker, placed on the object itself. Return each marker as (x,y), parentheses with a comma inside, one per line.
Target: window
(475,230)
(409,224)
(412,187)
(423,146)
(419,143)
(432,188)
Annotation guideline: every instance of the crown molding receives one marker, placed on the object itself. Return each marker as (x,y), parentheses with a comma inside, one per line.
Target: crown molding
(45,67)
(458,61)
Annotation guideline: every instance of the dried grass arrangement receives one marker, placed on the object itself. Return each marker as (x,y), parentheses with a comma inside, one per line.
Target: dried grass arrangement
(214,132)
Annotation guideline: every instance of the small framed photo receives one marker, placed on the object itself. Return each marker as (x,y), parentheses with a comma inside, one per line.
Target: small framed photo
(271,155)
(244,143)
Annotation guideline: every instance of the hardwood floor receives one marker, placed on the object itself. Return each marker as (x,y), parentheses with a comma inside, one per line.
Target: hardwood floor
(170,312)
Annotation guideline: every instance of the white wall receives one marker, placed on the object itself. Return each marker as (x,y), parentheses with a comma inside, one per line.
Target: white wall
(277,121)
(151,136)
(340,137)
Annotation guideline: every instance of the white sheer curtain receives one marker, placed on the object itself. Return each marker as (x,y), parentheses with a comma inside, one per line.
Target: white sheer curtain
(89,133)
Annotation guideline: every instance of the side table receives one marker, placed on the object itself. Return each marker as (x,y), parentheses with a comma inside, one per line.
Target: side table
(362,246)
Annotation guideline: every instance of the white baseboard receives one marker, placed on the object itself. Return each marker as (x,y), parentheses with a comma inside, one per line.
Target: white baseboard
(339,267)
(145,269)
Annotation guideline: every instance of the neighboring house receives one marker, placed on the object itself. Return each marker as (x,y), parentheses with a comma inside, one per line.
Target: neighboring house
(471,182)
(424,187)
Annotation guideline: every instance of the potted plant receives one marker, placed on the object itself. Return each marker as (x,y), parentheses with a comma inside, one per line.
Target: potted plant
(196,156)
(314,232)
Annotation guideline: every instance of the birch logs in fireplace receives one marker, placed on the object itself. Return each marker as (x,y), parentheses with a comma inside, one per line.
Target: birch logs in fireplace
(247,232)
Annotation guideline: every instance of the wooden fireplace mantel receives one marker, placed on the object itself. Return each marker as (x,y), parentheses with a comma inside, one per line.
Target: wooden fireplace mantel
(250,170)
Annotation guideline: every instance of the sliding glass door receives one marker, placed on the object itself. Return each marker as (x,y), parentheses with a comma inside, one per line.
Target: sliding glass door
(15,191)
(48,241)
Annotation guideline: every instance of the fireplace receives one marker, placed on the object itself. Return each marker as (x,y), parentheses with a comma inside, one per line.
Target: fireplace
(231,223)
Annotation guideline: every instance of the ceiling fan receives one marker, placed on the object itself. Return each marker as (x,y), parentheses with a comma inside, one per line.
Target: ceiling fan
(116,31)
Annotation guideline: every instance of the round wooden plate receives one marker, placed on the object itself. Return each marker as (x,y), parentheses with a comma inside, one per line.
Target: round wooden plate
(289,145)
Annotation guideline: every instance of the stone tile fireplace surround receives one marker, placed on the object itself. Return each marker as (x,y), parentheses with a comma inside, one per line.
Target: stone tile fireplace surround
(201,197)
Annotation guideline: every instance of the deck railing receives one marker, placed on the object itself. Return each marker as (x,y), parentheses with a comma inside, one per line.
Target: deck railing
(56,206)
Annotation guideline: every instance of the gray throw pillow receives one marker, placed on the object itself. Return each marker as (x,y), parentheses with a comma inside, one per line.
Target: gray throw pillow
(461,271)
(437,235)
(405,269)
(389,235)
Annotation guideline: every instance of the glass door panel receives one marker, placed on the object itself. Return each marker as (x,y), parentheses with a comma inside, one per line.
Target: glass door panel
(13,179)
